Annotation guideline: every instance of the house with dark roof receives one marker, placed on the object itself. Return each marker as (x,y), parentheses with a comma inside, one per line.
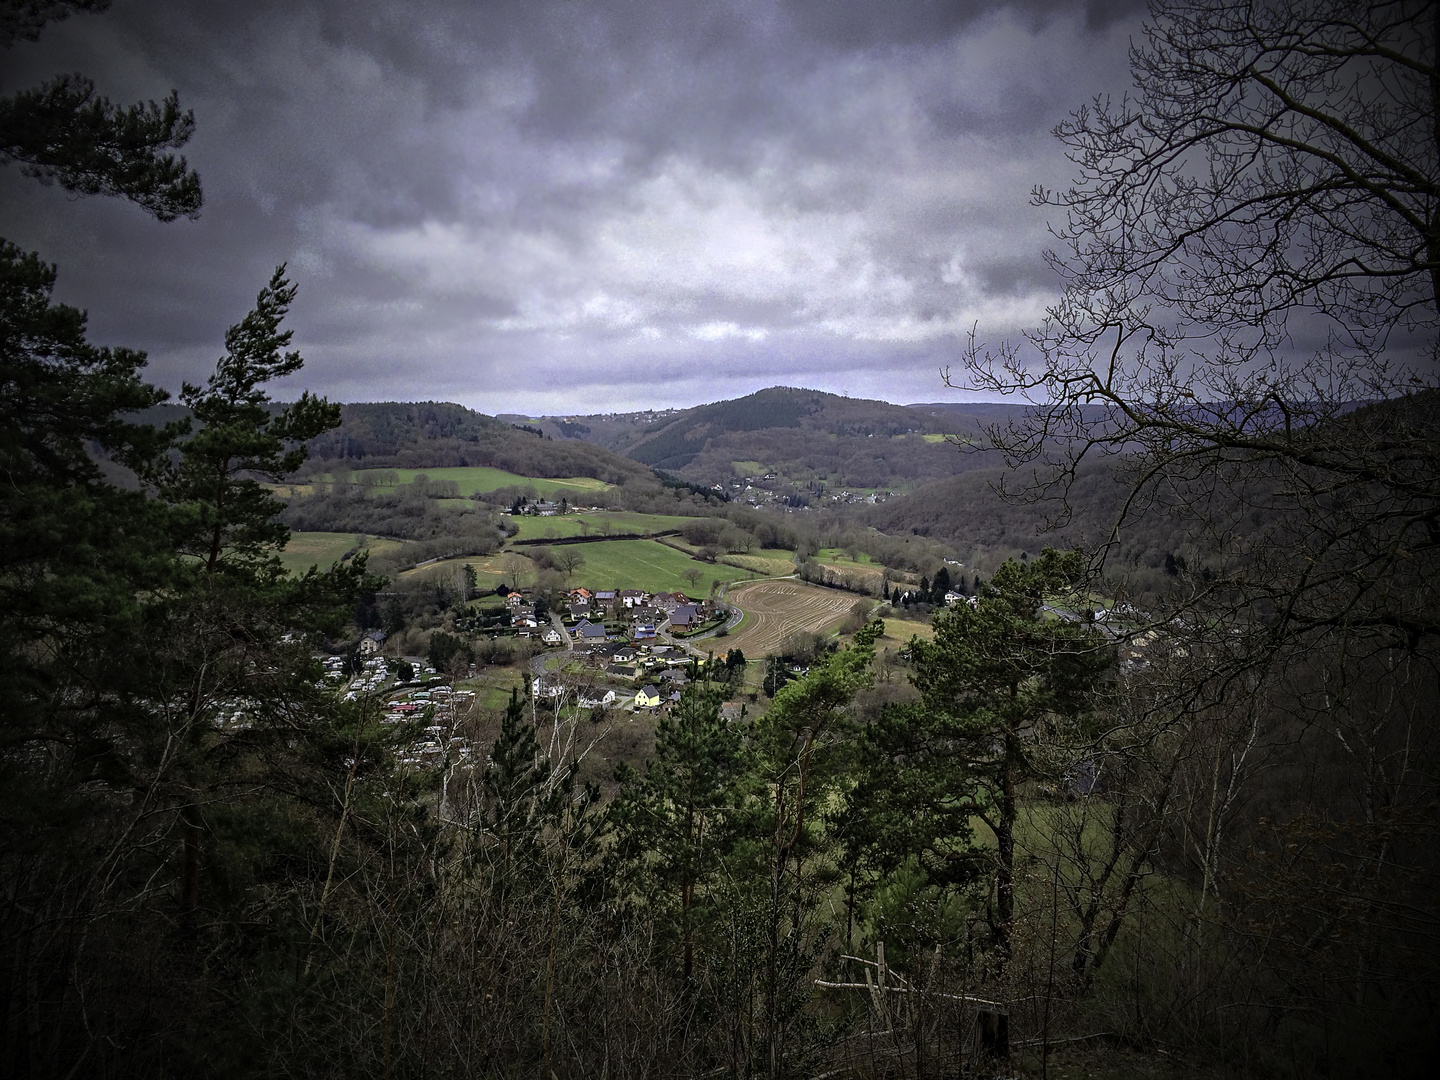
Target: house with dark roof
(646,614)
(588,632)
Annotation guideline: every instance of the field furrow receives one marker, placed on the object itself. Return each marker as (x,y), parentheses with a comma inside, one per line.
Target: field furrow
(776,610)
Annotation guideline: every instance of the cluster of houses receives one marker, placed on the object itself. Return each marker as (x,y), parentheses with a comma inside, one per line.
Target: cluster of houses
(654,669)
(631,613)
(592,618)
(773,491)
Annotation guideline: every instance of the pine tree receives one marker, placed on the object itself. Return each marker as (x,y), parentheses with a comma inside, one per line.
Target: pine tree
(142,646)
(940,586)
(82,562)
(518,796)
(676,819)
(1007,692)
(244,441)
(76,552)
(63,133)
(804,750)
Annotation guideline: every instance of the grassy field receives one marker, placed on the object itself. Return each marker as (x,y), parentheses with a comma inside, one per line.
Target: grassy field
(748,468)
(645,564)
(322,549)
(490,570)
(619,521)
(863,570)
(775,562)
(609,564)
(899,632)
(480,478)
(838,557)
(776,609)
(492,689)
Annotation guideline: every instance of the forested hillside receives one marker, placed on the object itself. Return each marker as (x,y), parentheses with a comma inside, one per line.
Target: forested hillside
(986,510)
(411,435)
(808,438)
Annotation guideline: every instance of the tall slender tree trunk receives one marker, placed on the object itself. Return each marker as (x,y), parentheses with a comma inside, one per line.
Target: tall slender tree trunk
(1005,852)
(191,830)
(1005,873)
(687,901)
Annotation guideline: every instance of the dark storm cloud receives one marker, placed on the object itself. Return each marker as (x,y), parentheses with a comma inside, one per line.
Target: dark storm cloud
(572,204)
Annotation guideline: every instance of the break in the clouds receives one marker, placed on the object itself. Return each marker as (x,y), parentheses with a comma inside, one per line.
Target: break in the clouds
(583,205)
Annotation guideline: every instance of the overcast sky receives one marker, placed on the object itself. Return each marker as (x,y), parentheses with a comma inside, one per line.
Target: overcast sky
(557,206)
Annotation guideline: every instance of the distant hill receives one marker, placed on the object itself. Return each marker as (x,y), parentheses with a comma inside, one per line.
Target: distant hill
(807,437)
(429,435)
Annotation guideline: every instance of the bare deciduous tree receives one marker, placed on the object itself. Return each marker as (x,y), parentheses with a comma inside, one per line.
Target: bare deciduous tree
(1248,338)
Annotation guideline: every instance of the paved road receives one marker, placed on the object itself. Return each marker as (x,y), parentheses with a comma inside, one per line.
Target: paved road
(541,661)
(684,646)
(559,624)
(730,623)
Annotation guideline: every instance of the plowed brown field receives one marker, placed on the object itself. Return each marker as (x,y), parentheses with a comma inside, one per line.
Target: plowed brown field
(777,609)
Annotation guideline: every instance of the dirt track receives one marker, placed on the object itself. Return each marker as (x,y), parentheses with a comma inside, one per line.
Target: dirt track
(777,609)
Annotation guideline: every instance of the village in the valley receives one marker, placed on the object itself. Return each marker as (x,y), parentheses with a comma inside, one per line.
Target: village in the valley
(625,650)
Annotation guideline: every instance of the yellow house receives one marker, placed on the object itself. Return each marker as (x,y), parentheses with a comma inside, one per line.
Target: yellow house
(648,698)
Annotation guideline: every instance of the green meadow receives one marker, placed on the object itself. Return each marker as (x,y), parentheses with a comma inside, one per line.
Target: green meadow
(323,549)
(648,565)
(490,570)
(601,524)
(776,562)
(609,564)
(837,557)
(480,479)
